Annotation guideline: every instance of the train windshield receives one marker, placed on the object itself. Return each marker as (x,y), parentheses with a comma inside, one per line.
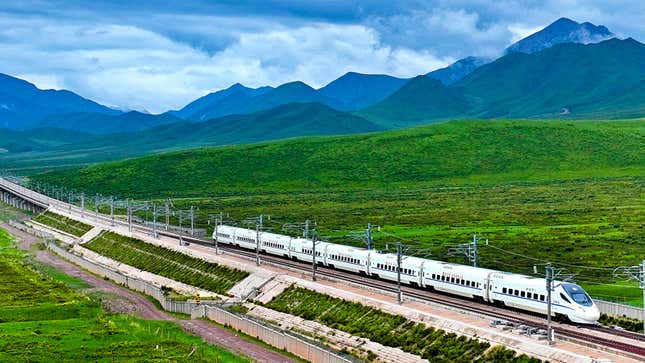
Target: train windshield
(577,294)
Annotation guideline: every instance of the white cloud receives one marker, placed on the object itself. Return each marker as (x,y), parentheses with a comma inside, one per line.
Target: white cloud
(139,69)
(155,57)
(521,31)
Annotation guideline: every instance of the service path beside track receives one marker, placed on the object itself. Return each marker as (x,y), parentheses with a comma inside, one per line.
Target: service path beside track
(147,310)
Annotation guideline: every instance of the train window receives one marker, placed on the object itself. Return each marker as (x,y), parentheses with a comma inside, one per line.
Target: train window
(564,298)
(462,282)
(542,297)
(517,292)
(523,294)
(535,296)
(504,290)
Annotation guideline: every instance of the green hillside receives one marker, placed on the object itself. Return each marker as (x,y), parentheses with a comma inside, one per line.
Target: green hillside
(41,139)
(462,151)
(550,190)
(605,78)
(567,81)
(418,101)
(285,121)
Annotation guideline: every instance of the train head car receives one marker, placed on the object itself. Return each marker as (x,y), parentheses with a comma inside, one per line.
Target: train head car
(582,310)
(530,293)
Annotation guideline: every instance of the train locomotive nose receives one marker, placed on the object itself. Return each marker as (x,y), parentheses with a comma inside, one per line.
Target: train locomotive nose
(592,314)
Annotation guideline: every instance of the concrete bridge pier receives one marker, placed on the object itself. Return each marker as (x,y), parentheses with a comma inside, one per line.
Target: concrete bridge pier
(19,203)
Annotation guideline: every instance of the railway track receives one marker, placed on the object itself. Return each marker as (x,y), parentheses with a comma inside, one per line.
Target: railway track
(568,332)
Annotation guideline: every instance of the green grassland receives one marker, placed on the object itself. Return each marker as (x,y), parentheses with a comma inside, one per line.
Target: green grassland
(63,223)
(165,262)
(387,329)
(566,192)
(43,319)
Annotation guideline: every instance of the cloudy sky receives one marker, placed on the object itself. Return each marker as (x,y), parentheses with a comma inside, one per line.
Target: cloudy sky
(160,55)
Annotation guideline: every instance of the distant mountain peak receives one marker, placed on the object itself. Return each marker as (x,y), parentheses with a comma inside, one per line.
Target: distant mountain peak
(295,84)
(357,90)
(458,70)
(563,30)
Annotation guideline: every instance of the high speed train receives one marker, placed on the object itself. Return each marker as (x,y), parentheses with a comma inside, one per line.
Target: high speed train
(503,288)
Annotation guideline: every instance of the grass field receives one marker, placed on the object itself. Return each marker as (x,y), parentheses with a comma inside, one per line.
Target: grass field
(43,319)
(63,223)
(165,262)
(387,329)
(571,193)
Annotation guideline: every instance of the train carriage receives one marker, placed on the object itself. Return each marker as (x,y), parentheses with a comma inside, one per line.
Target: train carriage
(384,265)
(245,238)
(275,244)
(224,234)
(456,279)
(512,290)
(347,258)
(302,249)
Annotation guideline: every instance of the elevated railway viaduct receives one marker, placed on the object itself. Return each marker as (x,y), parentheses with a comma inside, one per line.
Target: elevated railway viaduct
(20,198)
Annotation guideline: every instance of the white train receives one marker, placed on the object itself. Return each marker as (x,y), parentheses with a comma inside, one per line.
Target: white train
(504,288)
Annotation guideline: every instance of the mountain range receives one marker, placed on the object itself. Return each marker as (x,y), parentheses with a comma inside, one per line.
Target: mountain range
(568,80)
(560,31)
(533,79)
(23,105)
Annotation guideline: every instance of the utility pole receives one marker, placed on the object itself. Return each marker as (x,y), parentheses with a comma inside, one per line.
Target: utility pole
(258,227)
(399,295)
(306,232)
(218,221)
(181,229)
(129,211)
(192,221)
(470,250)
(154,220)
(475,250)
(549,288)
(215,237)
(550,275)
(82,205)
(112,211)
(314,240)
(167,213)
(636,273)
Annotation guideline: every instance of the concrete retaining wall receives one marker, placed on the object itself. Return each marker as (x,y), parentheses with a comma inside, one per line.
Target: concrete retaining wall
(273,337)
(614,309)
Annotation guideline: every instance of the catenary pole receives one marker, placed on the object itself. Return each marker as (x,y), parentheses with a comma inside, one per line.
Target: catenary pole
(82,205)
(314,239)
(258,227)
(549,288)
(399,295)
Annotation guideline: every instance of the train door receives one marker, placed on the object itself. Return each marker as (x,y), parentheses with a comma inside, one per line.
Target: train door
(486,293)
